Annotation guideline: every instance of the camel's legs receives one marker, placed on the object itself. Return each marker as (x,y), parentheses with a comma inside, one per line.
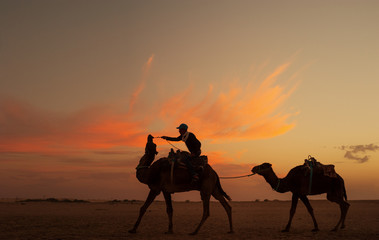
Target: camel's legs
(205,198)
(295,199)
(344,206)
(344,209)
(310,210)
(339,222)
(167,197)
(149,200)
(226,206)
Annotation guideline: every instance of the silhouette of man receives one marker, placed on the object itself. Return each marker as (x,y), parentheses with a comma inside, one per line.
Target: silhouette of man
(193,145)
(150,151)
(151,147)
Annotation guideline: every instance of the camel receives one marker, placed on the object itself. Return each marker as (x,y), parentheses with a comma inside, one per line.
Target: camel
(298,182)
(158,177)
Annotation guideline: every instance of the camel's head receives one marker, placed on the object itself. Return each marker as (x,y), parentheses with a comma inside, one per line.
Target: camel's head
(261,168)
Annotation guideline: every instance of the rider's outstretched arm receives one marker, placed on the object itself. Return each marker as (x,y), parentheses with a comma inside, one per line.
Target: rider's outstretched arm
(177,139)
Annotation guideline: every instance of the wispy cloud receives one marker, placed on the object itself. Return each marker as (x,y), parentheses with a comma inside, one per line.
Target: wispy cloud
(25,128)
(142,83)
(358,152)
(242,110)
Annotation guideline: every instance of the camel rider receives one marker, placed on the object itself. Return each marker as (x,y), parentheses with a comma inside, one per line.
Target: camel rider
(150,152)
(151,147)
(193,145)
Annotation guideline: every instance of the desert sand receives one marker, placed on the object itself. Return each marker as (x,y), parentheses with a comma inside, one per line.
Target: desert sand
(252,220)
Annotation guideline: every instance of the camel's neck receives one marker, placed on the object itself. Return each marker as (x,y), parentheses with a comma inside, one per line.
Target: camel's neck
(143,168)
(278,184)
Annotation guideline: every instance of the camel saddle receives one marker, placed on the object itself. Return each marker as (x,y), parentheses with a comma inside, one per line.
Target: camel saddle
(311,164)
(177,158)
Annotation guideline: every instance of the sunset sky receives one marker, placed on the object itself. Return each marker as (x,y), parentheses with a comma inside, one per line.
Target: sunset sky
(82,84)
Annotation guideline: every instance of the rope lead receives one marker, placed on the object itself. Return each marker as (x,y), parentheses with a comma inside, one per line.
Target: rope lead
(238,176)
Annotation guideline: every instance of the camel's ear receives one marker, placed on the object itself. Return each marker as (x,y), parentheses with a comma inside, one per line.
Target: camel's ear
(270,164)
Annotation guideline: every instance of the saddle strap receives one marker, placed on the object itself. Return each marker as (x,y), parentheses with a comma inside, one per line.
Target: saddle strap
(310,178)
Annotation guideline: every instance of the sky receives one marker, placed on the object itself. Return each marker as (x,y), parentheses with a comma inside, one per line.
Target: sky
(82,84)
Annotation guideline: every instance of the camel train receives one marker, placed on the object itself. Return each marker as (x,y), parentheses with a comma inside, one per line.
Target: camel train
(169,175)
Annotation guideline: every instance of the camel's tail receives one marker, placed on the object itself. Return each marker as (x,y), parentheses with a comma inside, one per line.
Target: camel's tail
(221,190)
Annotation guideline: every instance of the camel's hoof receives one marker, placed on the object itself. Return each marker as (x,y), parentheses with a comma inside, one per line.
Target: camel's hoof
(285,230)
(315,230)
(169,232)
(334,230)
(132,231)
(192,233)
(343,226)
(230,232)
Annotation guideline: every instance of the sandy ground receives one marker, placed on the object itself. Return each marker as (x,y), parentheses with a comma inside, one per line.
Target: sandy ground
(252,220)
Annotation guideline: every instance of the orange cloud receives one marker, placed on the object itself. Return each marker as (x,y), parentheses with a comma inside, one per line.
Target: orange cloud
(218,157)
(241,111)
(237,113)
(28,129)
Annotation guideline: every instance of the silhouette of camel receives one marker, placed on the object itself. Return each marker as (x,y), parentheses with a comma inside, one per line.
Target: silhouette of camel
(298,182)
(158,178)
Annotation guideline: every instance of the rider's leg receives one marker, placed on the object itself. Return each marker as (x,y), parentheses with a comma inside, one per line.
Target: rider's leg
(188,163)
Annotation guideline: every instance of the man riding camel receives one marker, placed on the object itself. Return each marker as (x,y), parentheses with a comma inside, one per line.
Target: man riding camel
(193,145)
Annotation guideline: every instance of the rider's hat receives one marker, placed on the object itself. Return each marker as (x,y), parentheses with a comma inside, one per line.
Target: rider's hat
(183,126)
